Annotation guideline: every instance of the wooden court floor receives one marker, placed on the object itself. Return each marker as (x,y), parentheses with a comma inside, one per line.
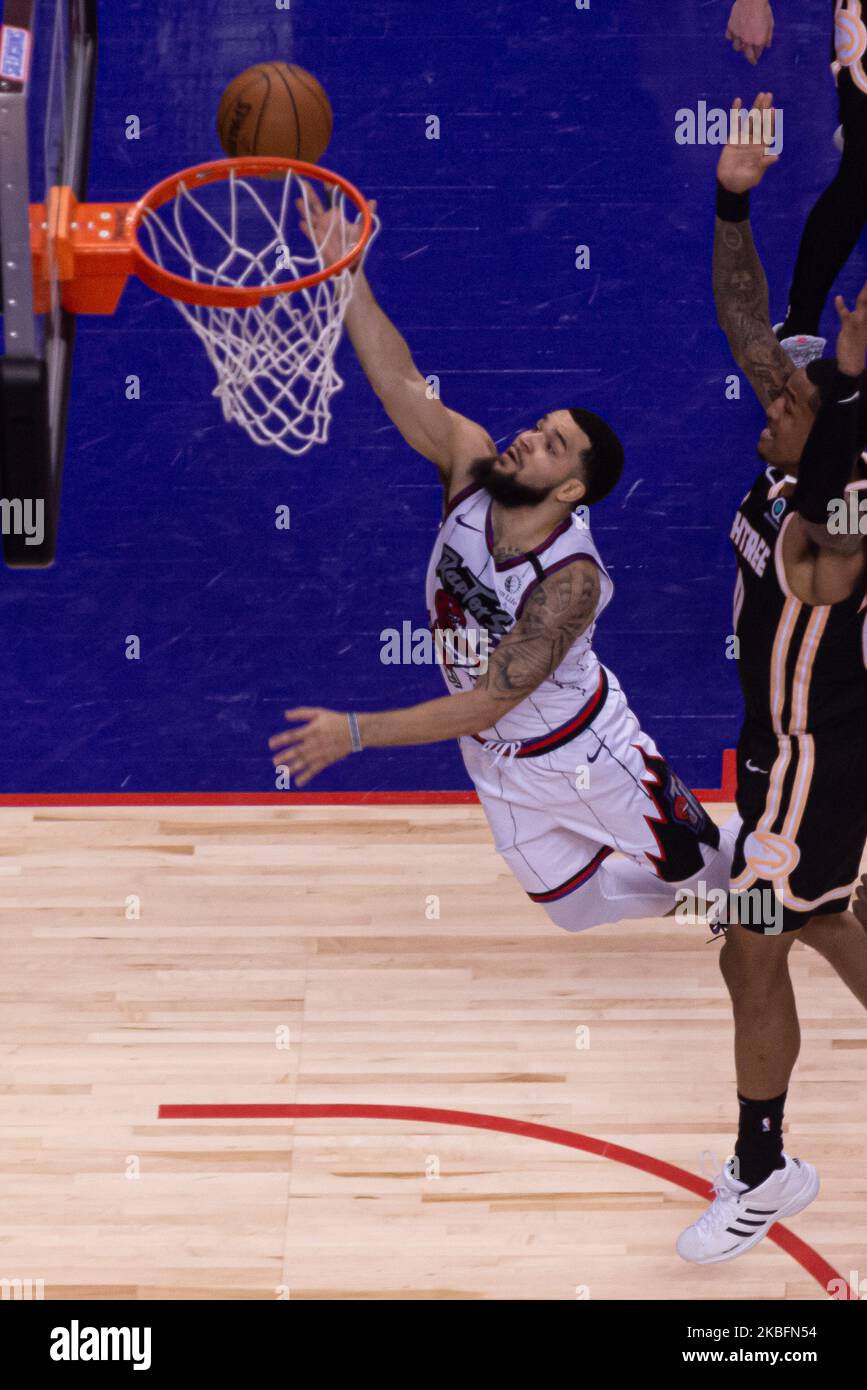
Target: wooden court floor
(183,956)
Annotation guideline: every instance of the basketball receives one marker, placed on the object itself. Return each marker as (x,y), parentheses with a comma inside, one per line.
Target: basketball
(275,109)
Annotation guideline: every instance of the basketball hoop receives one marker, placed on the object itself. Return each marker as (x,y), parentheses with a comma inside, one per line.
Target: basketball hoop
(219,245)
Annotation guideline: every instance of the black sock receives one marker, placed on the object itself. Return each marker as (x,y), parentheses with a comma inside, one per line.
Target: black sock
(791,328)
(759,1147)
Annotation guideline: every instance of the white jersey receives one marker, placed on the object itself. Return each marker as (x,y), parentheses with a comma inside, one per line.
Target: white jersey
(469,592)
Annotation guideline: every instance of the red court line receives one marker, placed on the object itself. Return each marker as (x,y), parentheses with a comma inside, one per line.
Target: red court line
(808,1258)
(289,798)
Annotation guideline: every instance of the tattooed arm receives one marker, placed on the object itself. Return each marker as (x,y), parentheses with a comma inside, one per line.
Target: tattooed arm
(740,291)
(558,611)
(739,285)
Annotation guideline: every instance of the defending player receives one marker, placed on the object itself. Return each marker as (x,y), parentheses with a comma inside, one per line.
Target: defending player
(562,769)
(837,220)
(801,621)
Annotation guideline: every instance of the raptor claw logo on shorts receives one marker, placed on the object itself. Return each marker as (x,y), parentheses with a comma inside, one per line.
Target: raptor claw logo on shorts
(684,806)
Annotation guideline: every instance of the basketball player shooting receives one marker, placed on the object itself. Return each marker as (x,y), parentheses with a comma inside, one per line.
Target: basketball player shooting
(801,622)
(563,771)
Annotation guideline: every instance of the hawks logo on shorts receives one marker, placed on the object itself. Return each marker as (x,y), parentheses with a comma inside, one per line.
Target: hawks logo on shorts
(770,856)
(850,41)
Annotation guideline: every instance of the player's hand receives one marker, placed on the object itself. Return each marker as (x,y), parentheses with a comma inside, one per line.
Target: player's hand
(852,338)
(742,164)
(751,28)
(859,906)
(329,229)
(322,738)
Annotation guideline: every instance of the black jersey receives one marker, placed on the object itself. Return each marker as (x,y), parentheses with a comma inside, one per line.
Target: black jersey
(803,668)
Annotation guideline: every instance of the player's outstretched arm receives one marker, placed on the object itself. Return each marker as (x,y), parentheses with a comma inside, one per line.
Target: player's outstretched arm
(740,286)
(751,28)
(447,439)
(559,610)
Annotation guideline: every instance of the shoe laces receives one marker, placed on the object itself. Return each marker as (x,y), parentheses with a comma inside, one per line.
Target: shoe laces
(722,1208)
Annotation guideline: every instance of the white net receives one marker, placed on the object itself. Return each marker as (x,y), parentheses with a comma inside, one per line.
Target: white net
(274,360)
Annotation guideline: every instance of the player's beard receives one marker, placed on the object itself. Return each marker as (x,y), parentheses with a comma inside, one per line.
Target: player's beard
(773,456)
(503,487)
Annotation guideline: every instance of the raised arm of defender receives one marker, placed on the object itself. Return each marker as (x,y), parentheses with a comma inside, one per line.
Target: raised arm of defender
(821,567)
(740,286)
(447,439)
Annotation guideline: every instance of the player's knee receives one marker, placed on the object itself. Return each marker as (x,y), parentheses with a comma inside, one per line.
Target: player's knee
(582,908)
(753,972)
(730,966)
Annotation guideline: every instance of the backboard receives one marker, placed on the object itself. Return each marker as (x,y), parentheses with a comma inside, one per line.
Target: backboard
(47,79)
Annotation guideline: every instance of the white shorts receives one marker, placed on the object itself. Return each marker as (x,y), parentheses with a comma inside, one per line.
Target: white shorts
(556,816)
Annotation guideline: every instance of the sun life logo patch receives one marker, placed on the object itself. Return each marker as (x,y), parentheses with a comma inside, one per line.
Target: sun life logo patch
(14,54)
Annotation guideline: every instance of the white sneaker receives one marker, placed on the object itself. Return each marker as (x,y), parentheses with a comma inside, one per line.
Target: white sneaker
(738,1217)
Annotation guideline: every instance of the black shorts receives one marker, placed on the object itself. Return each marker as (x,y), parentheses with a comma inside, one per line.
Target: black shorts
(804,806)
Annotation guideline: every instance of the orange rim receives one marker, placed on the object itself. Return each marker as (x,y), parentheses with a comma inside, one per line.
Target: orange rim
(174,286)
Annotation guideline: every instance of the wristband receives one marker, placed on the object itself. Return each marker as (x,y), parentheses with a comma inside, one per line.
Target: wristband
(731,207)
(845,387)
(354,734)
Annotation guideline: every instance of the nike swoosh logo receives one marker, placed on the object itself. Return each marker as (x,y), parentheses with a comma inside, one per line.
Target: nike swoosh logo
(460,522)
(596,754)
(751,767)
